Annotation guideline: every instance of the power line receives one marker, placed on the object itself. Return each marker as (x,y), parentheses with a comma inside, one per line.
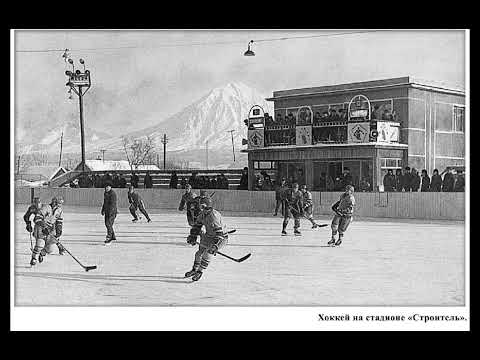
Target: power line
(202,43)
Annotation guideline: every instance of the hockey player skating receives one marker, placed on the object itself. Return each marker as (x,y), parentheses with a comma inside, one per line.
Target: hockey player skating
(55,229)
(343,209)
(213,239)
(307,202)
(136,203)
(190,202)
(109,210)
(43,225)
(292,200)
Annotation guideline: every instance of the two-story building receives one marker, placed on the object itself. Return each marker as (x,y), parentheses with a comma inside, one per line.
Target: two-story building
(366,127)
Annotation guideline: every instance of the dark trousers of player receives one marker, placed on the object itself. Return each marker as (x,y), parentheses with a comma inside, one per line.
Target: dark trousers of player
(109,220)
(287,214)
(133,210)
(277,206)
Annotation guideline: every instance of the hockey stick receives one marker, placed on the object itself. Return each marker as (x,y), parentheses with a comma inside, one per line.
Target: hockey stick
(31,244)
(318,225)
(231,258)
(87,268)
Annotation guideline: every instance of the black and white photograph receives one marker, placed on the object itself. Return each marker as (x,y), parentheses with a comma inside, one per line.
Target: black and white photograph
(308,179)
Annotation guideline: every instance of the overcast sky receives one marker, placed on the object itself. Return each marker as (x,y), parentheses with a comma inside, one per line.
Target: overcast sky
(158,78)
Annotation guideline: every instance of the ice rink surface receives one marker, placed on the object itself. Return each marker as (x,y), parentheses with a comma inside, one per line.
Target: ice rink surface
(381,262)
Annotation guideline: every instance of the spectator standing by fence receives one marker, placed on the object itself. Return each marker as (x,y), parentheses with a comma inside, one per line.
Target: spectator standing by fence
(173,180)
(415,183)
(147,181)
(436,183)
(123,182)
(425,181)
(244,179)
(183,183)
(389,181)
(460,182)
(398,180)
(448,181)
(329,183)
(407,180)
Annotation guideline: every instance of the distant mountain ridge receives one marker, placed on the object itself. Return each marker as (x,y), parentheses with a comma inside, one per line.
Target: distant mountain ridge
(211,118)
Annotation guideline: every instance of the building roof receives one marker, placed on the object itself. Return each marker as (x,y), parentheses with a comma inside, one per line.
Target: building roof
(46,172)
(113,165)
(370,85)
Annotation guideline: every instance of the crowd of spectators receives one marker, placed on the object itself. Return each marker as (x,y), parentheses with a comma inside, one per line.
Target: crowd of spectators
(201,182)
(114,179)
(409,180)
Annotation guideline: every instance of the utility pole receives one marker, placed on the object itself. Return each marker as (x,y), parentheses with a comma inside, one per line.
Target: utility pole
(103,154)
(206,149)
(61,147)
(80,83)
(18,164)
(158,161)
(233,147)
(164,142)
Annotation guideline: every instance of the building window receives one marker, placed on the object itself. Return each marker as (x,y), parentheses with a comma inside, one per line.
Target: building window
(458,119)
(390,163)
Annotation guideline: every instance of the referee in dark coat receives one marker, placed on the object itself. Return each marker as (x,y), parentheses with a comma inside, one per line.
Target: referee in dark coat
(109,210)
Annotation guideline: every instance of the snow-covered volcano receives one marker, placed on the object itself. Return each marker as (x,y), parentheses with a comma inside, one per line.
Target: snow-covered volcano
(208,119)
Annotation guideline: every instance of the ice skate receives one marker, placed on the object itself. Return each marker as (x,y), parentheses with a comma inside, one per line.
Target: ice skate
(198,274)
(134,220)
(190,273)
(331,242)
(40,258)
(61,250)
(314,226)
(284,233)
(33,262)
(339,241)
(108,241)
(149,220)
(297,232)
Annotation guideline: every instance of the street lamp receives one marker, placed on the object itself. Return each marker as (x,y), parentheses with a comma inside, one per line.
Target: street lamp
(249,52)
(80,83)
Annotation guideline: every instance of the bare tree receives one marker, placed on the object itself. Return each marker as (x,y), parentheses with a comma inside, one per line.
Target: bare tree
(138,151)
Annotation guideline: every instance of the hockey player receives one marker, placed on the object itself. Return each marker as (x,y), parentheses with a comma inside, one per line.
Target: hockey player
(343,209)
(42,213)
(54,226)
(213,239)
(278,195)
(307,203)
(109,210)
(292,200)
(136,203)
(189,200)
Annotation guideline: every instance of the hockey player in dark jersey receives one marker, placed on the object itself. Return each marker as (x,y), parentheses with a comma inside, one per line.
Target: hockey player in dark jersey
(343,209)
(292,199)
(190,202)
(307,202)
(211,240)
(136,203)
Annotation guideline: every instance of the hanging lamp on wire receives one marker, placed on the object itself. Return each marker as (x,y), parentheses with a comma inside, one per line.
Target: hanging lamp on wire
(249,52)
